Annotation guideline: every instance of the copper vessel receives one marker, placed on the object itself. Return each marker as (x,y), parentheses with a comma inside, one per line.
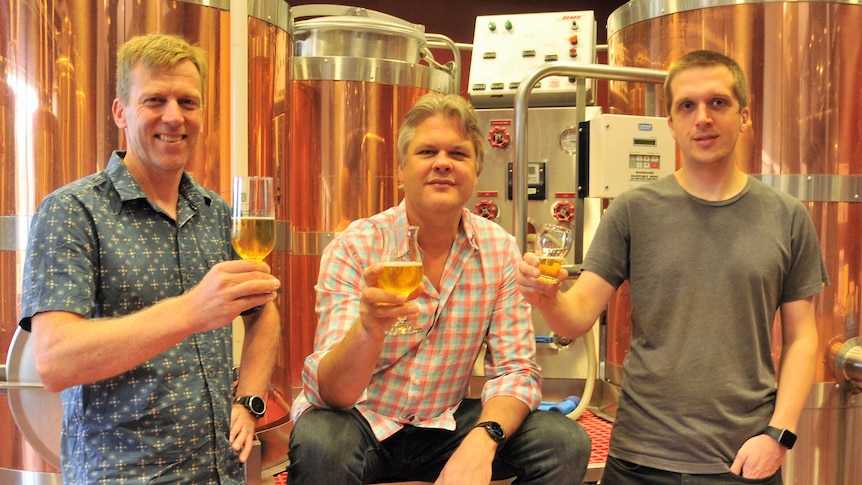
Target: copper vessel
(57,64)
(802,60)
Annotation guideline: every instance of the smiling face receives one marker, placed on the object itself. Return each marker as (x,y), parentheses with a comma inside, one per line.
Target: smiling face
(439,170)
(705,115)
(162,118)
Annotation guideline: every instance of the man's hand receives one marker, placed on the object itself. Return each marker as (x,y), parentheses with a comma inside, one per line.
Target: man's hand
(537,291)
(471,462)
(379,308)
(759,457)
(228,289)
(242,426)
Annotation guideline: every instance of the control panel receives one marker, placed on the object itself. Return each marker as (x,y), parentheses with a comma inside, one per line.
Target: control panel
(551,167)
(507,47)
(620,152)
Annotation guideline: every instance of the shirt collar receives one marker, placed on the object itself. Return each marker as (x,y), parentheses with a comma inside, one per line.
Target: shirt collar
(128,189)
(468,226)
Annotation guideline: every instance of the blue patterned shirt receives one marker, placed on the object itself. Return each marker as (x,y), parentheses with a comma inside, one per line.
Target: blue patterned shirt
(99,248)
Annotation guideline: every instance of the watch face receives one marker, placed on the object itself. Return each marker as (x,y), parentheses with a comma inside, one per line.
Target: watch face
(257,405)
(783,436)
(496,430)
(788,439)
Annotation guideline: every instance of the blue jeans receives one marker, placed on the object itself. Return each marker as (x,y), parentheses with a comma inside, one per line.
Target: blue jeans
(338,447)
(621,472)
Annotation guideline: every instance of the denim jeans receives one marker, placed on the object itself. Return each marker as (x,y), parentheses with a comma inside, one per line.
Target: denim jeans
(338,447)
(621,472)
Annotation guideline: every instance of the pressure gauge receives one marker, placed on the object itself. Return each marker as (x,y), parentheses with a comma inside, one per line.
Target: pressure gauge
(569,140)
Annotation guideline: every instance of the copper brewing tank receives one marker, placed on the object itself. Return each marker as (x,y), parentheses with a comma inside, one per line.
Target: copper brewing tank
(353,75)
(803,61)
(57,65)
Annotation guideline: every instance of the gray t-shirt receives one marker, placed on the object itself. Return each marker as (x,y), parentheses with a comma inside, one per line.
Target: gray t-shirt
(706,280)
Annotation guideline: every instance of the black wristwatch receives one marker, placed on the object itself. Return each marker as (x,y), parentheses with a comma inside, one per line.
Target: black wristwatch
(255,405)
(495,431)
(783,436)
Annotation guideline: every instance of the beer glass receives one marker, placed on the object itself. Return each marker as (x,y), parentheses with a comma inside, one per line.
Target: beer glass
(402,269)
(252,223)
(552,245)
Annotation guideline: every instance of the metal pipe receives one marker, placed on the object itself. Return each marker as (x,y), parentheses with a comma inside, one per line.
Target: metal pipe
(522,102)
(239,89)
(438,40)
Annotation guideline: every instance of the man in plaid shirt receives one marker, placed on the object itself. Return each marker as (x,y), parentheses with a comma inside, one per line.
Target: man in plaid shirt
(377,407)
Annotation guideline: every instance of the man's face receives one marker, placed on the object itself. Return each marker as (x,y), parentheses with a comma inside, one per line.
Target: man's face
(163,117)
(439,172)
(705,116)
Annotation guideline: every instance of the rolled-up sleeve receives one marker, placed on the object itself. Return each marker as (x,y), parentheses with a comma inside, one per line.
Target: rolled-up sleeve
(338,290)
(510,363)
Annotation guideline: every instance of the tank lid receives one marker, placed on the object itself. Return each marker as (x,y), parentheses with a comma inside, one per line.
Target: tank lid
(640,10)
(362,24)
(359,19)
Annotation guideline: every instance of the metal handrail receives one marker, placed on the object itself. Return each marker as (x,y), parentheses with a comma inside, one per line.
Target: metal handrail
(522,102)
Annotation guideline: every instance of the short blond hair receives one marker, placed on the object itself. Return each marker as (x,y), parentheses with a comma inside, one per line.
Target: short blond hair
(155,51)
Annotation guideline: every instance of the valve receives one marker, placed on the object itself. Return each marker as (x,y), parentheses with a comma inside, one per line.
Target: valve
(499,137)
(564,211)
(487,209)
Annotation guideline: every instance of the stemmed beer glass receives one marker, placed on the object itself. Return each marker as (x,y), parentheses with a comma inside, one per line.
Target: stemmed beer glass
(402,269)
(252,228)
(553,242)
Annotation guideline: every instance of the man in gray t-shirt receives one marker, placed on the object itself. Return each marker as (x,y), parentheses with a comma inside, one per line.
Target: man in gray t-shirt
(710,254)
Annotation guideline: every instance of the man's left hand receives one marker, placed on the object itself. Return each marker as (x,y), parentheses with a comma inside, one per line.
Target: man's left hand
(471,462)
(242,426)
(759,457)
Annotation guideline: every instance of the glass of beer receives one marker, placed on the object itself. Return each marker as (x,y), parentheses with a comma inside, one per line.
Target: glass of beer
(252,223)
(402,269)
(553,243)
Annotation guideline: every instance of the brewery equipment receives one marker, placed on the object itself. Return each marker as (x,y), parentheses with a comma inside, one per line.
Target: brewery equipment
(505,48)
(801,59)
(353,76)
(57,64)
(535,171)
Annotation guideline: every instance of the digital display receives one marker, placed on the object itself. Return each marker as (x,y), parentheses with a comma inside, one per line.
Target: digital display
(644,142)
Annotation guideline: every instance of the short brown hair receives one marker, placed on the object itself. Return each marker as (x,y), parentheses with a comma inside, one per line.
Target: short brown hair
(705,58)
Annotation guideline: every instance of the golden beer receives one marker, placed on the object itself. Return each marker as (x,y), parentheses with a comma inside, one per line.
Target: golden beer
(253,237)
(402,277)
(550,267)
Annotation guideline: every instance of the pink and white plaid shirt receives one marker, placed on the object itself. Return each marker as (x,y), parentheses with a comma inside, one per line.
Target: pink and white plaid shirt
(421,379)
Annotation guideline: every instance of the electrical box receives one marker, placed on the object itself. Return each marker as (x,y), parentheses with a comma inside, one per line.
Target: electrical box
(508,46)
(619,152)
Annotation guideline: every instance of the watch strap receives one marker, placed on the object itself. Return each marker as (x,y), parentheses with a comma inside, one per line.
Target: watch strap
(246,401)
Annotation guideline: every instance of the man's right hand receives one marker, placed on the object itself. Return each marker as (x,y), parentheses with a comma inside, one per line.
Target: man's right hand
(536,290)
(379,308)
(228,289)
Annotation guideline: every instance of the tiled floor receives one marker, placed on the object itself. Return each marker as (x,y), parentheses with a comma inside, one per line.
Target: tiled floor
(599,431)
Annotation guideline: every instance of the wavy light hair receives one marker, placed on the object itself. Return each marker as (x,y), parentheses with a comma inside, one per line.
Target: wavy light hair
(448,106)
